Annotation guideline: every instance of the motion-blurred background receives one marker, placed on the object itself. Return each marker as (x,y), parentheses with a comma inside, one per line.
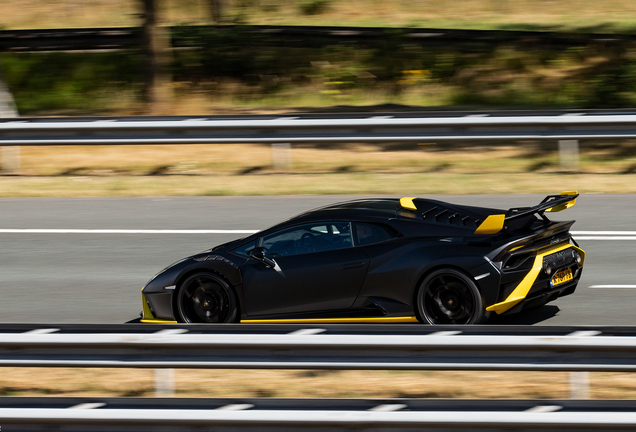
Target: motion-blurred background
(166,57)
(234,57)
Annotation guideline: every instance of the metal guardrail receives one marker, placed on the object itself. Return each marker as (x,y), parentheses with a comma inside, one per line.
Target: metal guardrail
(131,37)
(317,347)
(132,414)
(309,349)
(296,129)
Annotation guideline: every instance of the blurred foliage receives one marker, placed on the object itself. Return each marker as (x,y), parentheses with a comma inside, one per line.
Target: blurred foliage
(52,81)
(252,68)
(313,7)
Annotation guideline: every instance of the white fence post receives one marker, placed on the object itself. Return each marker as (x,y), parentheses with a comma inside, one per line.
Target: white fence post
(281,155)
(569,154)
(164,382)
(579,385)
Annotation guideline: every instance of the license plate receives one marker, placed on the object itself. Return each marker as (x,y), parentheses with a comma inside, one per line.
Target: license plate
(561,276)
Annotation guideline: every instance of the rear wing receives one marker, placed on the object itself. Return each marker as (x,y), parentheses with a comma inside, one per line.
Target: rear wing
(552,203)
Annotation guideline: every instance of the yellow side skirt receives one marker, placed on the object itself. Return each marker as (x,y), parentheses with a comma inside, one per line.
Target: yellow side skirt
(335,320)
(522,290)
(156,321)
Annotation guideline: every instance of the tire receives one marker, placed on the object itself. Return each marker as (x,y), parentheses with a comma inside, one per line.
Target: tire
(448,296)
(206,298)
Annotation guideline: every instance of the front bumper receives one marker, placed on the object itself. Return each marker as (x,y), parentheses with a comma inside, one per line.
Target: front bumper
(147,314)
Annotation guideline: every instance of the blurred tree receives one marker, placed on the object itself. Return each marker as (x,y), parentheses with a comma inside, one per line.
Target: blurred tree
(156,47)
(10,155)
(216,8)
(7,105)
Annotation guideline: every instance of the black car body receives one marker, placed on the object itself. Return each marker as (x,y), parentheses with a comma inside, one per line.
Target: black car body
(388,260)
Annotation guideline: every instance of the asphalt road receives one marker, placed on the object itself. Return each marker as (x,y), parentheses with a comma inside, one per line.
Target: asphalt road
(61,277)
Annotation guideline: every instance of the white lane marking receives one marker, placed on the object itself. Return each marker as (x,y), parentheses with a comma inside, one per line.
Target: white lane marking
(613,286)
(603,233)
(388,407)
(121,231)
(581,235)
(308,331)
(614,238)
(544,409)
(84,406)
(235,407)
(43,331)
(584,333)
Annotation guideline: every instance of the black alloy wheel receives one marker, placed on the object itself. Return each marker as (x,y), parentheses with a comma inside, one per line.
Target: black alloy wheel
(206,298)
(449,296)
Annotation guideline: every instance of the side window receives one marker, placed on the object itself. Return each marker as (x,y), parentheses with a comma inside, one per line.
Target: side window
(308,238)
(244,249)
(368,233)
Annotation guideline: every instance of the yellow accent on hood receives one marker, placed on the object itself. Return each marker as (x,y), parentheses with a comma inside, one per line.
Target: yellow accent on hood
(407,203)
(333,320)
(565,206)
(492,225)
(522,290)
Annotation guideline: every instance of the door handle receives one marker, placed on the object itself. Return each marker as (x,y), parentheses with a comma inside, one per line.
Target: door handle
(355,265)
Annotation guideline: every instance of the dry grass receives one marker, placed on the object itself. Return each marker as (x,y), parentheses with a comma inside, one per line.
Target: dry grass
(312,184)
(562,14)
(358,169)
(310,384)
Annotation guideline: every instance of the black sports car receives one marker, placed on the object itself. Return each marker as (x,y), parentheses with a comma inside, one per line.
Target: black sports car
(377,260)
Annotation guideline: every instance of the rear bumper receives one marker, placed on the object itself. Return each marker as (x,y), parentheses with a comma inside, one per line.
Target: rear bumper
(535,289)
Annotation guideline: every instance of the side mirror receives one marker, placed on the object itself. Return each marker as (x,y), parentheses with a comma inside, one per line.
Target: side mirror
(259,254)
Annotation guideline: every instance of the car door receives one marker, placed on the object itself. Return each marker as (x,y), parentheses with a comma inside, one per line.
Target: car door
(317,269)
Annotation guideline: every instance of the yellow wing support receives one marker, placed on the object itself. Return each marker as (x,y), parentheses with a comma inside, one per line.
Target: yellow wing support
(565,206)
(407,203)
(492,225)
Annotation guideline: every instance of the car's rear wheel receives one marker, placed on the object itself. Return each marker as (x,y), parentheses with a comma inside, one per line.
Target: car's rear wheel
(448,296)
(206,298)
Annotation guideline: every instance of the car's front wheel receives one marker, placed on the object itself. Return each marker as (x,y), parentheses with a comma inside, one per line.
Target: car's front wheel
(448,296)
(206,298)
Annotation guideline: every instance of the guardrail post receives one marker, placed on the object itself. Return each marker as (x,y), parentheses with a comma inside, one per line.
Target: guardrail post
(569,154)
(164,382)
(281,155)
(579,385)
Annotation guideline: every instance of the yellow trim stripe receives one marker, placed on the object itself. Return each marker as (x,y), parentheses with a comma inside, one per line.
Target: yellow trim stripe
(492,225)
(334,320)
(522,290)
(407,203)
(147,316)
(146,313)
